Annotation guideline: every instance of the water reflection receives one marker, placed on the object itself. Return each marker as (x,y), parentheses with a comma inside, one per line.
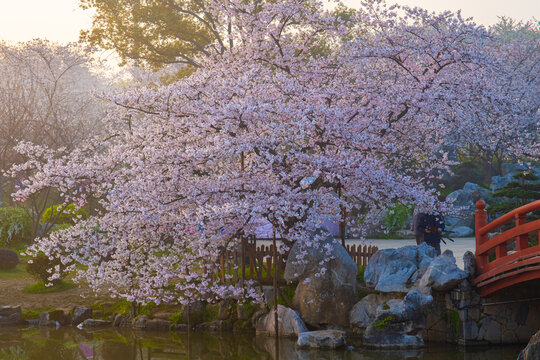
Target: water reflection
(110,344)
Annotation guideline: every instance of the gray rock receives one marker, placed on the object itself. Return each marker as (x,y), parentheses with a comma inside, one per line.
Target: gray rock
(493,330)
(289,323)
(122,320)
(256,316)
(443,273)
(453,222)
(532,351)
(224,311)
(94,323)
(216,325)
(364,312)
(54,318)
(464,201)
(79,314)
(140,322)
(326,299)
(399,324)
(469,264)
(10,315)
(512,168)
(322,339)
(396,270)
(460,231)
(498,182)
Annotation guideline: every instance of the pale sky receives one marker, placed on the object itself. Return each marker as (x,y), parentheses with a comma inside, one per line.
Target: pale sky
(61,20)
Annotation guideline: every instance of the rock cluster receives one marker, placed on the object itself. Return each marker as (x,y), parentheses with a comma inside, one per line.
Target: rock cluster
(391,319)
(398,270)
(399,324)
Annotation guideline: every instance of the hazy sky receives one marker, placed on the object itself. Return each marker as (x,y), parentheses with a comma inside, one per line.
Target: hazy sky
(61,20)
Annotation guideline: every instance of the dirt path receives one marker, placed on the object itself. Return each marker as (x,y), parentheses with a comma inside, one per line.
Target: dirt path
(11,293)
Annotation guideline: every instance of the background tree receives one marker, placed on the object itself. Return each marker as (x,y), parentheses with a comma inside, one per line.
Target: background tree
(46,98)
(516,193)
(513,118)
(163,32)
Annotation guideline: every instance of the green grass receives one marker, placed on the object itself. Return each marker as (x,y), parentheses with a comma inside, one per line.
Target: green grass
(383,323)
(360,275)
(105,309)
(16,272)
(28,314)
(40,288)
(264,273)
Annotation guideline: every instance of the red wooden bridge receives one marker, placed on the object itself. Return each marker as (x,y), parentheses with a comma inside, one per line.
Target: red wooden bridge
(497,267)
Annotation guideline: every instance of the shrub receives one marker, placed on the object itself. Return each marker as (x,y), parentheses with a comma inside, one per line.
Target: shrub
(63,214)
(39,268)
(8,259)
(396,216)
(15,226)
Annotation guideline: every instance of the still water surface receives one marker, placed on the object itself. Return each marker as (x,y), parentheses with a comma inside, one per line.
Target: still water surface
(112,344)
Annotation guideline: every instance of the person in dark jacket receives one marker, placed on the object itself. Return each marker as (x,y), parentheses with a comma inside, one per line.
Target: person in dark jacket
(432,226)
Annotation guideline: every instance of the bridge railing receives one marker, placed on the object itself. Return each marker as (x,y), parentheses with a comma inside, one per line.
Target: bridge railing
(498,245)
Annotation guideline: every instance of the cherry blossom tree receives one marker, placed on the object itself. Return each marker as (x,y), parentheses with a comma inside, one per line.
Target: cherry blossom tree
(505,125)
(270,130)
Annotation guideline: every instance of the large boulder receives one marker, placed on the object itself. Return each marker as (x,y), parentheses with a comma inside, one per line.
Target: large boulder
(397,270)
(532,351)
(469,264)
(443,273)
(498,182)
(460,231)
(289,323)
(79,314)
(512,168)
(10,315)
(363,312)
(399,324)
(54,318)
(322,339)
(463,201)
(323,296)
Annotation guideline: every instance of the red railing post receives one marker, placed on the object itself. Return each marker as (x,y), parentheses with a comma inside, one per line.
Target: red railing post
(480,221)
(522,240)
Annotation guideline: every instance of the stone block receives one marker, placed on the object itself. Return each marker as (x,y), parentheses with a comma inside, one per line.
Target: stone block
(493,331)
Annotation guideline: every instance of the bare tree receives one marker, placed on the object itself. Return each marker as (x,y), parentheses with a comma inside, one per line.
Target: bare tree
(46,98)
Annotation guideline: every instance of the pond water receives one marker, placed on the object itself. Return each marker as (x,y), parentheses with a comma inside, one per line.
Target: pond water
(112,344)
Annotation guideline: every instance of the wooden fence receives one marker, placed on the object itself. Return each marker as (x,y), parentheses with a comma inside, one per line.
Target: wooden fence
(259,264)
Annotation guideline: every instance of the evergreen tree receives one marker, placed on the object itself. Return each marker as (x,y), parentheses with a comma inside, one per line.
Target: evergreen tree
(517,193)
